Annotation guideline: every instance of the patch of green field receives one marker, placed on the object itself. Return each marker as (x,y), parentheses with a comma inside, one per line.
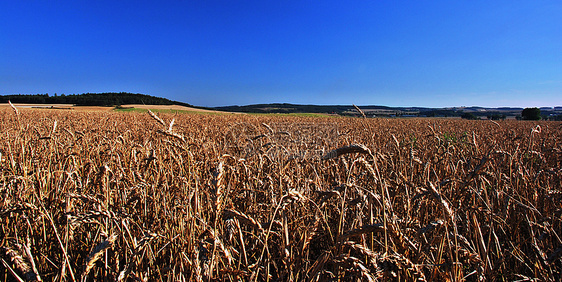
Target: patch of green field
(140,110)
(293,114)
(168,111)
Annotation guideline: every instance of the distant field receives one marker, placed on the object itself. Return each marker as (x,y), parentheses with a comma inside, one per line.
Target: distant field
(170,107)
(141,108)
(93,194)
(98,108)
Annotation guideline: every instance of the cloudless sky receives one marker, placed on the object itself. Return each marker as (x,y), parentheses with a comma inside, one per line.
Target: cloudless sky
(215,53)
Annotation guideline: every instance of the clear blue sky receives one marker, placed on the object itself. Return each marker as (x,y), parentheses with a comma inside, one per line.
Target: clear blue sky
(214,53)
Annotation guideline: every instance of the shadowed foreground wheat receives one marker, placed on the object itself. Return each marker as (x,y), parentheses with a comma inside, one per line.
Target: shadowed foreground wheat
(163,197)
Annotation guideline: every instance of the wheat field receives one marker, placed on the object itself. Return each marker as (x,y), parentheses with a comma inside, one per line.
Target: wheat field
(108,196)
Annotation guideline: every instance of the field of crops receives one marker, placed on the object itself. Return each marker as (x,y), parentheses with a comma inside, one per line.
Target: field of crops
(90,196)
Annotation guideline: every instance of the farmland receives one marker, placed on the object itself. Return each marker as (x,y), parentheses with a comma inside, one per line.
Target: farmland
(179,197)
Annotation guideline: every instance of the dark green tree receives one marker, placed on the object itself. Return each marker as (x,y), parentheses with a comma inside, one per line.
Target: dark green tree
(531,114)
(469,116)
(496,116)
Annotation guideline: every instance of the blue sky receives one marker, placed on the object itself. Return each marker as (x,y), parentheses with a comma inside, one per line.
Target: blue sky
(215,53)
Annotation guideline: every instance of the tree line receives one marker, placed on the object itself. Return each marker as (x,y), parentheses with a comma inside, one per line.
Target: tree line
(526,114)
(90,99)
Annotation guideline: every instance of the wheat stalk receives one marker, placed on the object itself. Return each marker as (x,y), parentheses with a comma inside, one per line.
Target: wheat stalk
(157,118)
(444,204)
(362,230)
(219,173)
(171,134)
(360,111)
(242,218)
(18,261)
(12,271)
(14,108)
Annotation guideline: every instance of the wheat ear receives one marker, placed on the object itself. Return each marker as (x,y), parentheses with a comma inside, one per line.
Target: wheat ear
(354,148)
(97,253)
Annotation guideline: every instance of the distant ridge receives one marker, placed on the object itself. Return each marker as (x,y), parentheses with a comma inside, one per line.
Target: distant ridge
(91,99)
(385,111)
(125,98)
(371,110)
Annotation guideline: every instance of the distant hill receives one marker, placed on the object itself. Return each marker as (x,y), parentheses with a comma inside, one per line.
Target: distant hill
(284,108)
(348,110)
(384,111)
(124,98)
(91,99)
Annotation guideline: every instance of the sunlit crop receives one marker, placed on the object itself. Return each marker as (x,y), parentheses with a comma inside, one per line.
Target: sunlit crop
(181,197)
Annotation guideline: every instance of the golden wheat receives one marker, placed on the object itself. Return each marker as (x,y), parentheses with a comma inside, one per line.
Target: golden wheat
(243,197)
